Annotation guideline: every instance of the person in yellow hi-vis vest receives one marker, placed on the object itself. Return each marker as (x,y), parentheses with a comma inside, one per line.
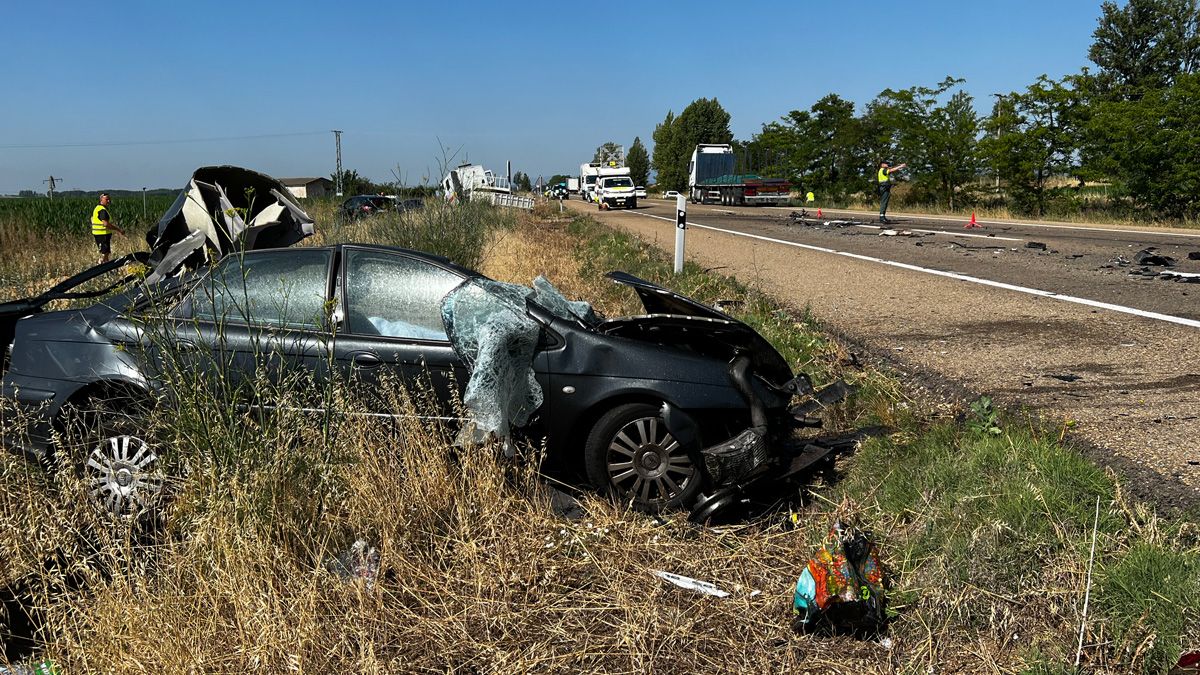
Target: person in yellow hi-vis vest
(102,222)
(885,187)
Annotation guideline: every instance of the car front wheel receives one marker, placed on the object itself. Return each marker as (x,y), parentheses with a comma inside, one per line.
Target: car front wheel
(632,456)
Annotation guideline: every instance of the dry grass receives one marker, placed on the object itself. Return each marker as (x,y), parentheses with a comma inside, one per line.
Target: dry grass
(477,573)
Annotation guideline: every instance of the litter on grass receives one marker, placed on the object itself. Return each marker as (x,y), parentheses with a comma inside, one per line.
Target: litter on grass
(691,584)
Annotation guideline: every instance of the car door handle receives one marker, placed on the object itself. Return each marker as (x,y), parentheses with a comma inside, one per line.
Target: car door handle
(365,359)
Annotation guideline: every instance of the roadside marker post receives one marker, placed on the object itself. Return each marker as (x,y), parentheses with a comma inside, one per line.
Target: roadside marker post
(680,231)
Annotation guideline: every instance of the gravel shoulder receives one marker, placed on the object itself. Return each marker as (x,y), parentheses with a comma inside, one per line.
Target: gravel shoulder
(1129,386)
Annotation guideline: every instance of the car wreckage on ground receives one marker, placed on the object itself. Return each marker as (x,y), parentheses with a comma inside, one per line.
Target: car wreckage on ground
(682,406)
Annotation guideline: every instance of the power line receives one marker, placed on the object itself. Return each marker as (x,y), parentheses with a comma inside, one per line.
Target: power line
(112,144)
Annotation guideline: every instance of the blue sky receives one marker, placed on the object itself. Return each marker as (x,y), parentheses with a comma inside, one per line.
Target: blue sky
(541,84)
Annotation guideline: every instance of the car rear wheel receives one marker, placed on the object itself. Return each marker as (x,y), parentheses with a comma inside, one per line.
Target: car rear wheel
(118,460)
(632,456)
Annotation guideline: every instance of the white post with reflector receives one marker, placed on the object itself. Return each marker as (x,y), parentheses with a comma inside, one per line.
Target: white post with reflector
(680,230)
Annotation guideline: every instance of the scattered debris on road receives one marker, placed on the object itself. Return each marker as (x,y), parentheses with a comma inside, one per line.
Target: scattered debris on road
(1147,256)
(1181,277)
(1065,377)
(1194,255)
(895,233)
(1036,245)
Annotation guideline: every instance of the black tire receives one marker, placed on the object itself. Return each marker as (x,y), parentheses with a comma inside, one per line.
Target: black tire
(631,456)
(106,440)
(633,203)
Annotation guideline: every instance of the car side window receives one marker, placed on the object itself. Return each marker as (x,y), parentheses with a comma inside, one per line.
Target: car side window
(396,296)
(284,289)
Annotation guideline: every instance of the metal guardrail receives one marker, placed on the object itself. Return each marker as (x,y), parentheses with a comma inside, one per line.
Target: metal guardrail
(512,201)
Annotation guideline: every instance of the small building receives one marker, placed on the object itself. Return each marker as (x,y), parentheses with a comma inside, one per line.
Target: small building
(304,188)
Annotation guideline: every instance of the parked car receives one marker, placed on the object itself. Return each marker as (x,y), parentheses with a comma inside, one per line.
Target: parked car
(640,191)
(671,194)
(653,409)
(361,206)
(410,205)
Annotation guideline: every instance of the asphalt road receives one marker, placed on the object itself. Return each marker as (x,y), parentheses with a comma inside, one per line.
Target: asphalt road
(1078,261)
(1063,332)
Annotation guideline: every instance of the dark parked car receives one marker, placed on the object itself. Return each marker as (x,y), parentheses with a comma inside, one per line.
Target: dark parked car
(653,408)
(362,206)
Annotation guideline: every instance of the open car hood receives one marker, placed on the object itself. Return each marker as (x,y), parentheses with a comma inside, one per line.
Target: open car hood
(677,320)
(224,209)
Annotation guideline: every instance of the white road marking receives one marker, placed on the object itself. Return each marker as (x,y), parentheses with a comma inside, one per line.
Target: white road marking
(1018,223)
(1192,323)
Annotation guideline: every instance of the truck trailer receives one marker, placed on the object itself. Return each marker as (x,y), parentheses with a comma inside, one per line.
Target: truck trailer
(711,180)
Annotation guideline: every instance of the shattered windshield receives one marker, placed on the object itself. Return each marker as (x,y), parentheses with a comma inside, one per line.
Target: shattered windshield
(491,331)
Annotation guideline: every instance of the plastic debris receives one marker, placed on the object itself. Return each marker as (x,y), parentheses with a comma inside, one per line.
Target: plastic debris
(1194,255)
(43,668)
(691,584)
(360,561)
(841,588)
(1035,245)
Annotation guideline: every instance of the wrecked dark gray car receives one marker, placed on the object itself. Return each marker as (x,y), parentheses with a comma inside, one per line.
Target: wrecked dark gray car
(680,406)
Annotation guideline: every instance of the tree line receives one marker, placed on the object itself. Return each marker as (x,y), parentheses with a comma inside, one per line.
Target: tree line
(1130,127)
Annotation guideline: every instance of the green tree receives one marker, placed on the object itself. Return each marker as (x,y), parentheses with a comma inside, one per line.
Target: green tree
(524,183)
(354,184)
(608,152)
(934,131)
(1153,146)
(1144,45)
(558,178)
(702,121)
(1032,137)
(669,159)
(638,161)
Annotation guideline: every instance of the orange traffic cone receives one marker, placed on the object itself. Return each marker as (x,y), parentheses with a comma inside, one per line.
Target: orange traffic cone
(972,223)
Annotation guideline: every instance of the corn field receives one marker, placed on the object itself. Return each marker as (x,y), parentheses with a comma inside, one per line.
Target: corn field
(72,214)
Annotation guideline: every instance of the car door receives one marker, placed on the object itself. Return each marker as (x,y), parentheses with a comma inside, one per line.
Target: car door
(390,334)
(257,327)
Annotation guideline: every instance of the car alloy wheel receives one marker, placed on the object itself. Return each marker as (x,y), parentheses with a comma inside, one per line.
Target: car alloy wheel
(631,455)
(123,476)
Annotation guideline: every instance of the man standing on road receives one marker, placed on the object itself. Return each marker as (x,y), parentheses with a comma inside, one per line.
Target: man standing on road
(885,188)
(102,222)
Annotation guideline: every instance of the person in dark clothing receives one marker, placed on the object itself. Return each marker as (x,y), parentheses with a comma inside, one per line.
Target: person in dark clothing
(885,187)
(102,226)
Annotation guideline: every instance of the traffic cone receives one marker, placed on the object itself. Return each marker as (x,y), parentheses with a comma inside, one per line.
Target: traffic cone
(819,212)
(972,223)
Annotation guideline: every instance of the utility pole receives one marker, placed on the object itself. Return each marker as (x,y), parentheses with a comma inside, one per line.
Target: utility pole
(53,183)
(999,99)
(143,203)
(337,136)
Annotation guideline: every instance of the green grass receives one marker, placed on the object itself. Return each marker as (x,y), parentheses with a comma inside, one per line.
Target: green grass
(987,519)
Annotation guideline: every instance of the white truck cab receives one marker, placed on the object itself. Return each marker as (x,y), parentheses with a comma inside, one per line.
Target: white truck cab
(616,191)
